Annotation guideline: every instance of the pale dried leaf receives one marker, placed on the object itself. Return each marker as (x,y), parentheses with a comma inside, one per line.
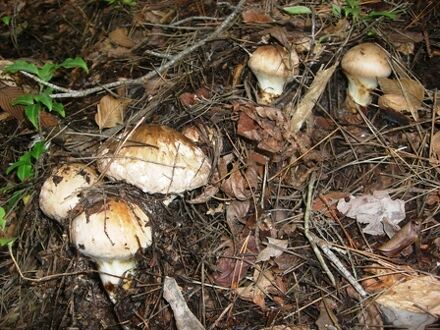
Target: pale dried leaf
(6,78)
(300,114)
(256,292)
(119,36)
(372,209)
(275,247)
(435,146)
(413,303)
(327,317)
(185,319)
(110,112)
(398,102)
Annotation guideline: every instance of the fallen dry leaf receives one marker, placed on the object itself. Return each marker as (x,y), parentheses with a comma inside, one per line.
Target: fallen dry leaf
(240,184)
(372,209)
(119,36)
(275,248)
(233,265)
(236,212)
(401,240)
(255,16)
(110,112)
(384,277)
(413,303)
(406,95)
(7,95)
(326,203)
(327,317)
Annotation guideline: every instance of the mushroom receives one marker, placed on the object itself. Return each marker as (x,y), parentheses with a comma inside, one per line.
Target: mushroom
(111,232)
(156,159)
(363,65)
(60,192)
(274,67)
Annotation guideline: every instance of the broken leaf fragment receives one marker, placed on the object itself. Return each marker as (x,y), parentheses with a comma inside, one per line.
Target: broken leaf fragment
(375,210)
(110,112)
(275,248)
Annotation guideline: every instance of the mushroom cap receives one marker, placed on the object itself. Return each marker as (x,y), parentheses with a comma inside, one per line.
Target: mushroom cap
(274,60)
(366,60)
(156,159)
(60,192)
(109,230)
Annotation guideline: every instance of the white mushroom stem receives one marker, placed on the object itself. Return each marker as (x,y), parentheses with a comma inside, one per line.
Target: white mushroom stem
(359,88)
(112,272)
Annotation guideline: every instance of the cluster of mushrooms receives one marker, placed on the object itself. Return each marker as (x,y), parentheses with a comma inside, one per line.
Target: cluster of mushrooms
(158,159)
(154,158)
(275,66)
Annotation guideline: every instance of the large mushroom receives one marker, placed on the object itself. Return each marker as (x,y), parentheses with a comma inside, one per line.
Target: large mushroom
(363,65)
(274,67)
(156,159)
(61,191)
(111,232)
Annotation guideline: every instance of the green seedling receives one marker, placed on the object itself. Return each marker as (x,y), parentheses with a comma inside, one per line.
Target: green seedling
(6,20)
(24,166)
(352,9)
(33,104)
(4,240)
(121,2)
(297,10)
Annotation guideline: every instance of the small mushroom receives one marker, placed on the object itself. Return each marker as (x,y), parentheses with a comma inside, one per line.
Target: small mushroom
(274,67)
(110,233)
(60,192)
(363,65)
(156,159)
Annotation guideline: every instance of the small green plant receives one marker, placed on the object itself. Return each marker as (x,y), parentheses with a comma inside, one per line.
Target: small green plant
(352,9)
(121,2)
(24,166)
(33,104)
(6,20)
(4,240)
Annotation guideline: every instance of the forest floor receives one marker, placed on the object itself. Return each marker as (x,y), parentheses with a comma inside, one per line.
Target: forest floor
(319,213)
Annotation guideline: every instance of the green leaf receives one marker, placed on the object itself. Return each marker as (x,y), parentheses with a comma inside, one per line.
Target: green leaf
(388,14)
(38,149)
(336,10)
(21,65)
(77,62)
(45,99)
(2,218)
(6,20)
(24,172)
(32,113)
(297,10)
(24,100)
(23,160)
(59,109)
(6,241)
(47,71)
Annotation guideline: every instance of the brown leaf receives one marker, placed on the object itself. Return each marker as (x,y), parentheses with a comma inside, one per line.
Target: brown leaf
(119,36)
(326,204)
(7,95)
(275,248)
(110,112)
(240,184)
(401,240)
(232,266)
(327,317)
(255,16)
(206,195)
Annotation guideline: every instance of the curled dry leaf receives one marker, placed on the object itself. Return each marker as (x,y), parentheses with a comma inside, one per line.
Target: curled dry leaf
(326,204)
(240,184)
(236,212)
(327,317)
(406,95)
(384,277)
(434,156)
(401,240)
(110,112)
(119,36)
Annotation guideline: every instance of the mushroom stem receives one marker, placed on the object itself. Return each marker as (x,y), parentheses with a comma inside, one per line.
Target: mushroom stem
(359,89)
(112,272)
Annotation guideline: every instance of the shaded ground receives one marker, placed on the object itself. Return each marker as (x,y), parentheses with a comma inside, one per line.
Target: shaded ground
(211,247)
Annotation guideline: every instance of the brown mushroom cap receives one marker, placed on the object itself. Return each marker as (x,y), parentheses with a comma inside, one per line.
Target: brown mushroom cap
(60,192)
(156,159)
(366,60)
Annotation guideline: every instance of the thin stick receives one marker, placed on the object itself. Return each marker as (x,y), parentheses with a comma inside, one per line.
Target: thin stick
(307,233)
(141,80)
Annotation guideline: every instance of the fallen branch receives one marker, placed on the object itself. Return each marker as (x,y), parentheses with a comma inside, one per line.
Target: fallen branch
(141,80)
